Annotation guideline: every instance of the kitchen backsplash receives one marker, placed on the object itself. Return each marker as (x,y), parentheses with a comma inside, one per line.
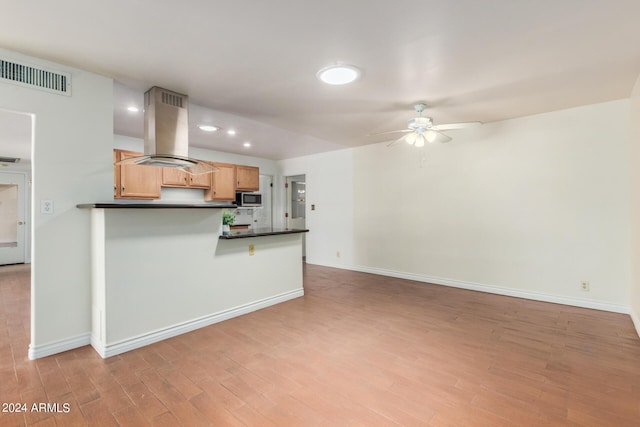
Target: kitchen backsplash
(244,216)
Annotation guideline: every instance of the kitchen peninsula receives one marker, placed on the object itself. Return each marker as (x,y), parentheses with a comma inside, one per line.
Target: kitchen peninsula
(159,270)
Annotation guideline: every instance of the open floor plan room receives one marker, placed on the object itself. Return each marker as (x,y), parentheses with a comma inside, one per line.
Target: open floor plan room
(356,349)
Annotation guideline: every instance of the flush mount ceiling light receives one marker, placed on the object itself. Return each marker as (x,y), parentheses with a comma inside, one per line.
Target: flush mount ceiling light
(133,109)
(247,144)
(338,74)
(231,132)
(208,128)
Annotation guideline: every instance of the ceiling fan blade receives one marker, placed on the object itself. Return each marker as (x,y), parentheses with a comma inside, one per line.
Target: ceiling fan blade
(396,141)
(455,126)
(390,131)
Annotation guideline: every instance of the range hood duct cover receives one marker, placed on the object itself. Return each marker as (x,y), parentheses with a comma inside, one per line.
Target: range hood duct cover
(166,133)
(166,123)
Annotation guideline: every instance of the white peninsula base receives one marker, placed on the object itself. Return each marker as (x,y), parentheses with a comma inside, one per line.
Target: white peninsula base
(157,273)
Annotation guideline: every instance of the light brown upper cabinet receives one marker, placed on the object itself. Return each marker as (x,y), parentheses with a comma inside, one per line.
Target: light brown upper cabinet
(172,177)
(144,182)
(135,181)
(247,178)
(223,183)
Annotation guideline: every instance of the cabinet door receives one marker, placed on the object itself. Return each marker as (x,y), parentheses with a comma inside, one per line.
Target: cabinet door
(116,174)
(223,183)
(248,178)
(173,177)
(138,182)
(200,181)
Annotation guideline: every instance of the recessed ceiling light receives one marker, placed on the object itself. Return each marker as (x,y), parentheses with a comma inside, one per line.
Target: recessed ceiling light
(208,128)
(338,74)
(231,132)
(247,144)
(133,109)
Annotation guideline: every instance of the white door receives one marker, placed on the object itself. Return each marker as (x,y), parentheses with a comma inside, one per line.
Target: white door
(296,205)
(12,218)
(263,216)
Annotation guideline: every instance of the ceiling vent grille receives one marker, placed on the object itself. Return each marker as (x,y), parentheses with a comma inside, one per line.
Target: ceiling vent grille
(166,97)
(33,77)
(172,99)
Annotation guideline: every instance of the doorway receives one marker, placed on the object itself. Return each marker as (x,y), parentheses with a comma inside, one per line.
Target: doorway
(16,133)
(16,147)
(296,187)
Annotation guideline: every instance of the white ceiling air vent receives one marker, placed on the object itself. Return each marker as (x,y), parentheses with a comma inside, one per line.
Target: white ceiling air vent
(35,77)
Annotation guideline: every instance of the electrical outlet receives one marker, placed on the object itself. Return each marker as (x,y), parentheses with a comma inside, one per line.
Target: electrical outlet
(338,254)
(584,285)
(46,207)
(252,250)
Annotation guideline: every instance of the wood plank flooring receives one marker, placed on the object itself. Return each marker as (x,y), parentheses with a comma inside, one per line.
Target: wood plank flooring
(356,350)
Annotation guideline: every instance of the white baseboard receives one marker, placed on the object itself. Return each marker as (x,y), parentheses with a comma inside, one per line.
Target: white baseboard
(188,326)
(537,296)
(38,351)
(636,320)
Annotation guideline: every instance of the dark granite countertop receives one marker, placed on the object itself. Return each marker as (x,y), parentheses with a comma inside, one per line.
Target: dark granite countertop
(154,206)
(259,232)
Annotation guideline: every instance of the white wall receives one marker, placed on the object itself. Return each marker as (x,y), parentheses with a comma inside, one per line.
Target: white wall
(533,205)
(634,164)
(72,163)
(329,186)
(528,207)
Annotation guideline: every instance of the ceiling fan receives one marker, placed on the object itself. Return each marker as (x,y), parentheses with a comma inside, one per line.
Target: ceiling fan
(423,130)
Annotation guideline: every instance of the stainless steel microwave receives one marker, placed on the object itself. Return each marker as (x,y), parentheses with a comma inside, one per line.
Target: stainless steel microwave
(248,199)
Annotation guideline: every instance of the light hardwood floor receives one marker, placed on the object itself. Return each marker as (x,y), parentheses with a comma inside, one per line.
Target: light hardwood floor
(356,350)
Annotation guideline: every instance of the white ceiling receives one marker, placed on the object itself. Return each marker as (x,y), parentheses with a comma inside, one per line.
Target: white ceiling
(251,64)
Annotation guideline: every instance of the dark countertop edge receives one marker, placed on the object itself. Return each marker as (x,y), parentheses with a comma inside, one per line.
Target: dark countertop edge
(244,235)
(152,206)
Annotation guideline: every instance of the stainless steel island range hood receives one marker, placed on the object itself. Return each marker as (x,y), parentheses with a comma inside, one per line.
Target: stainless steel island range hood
(166,133)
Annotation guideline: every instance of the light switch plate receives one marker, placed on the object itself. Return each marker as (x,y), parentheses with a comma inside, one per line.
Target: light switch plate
(46,207)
